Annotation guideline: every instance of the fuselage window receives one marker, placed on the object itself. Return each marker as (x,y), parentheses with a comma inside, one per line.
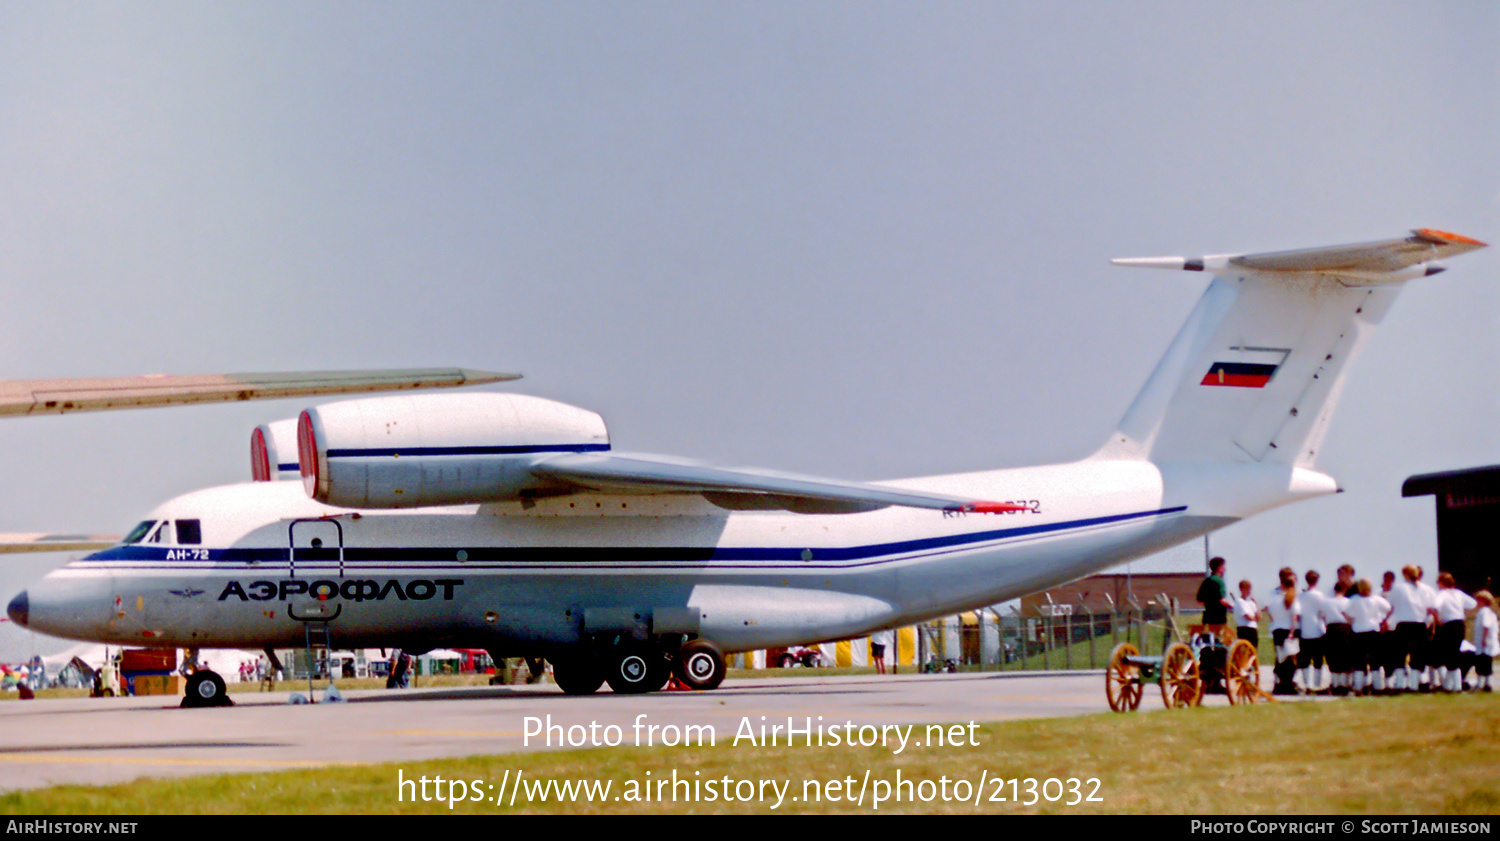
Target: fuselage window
(139,531)
(189,532)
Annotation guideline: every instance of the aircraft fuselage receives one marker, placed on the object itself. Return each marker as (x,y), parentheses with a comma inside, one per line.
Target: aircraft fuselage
(525,580)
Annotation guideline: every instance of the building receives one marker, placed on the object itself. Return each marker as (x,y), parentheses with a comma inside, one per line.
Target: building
(1468,511)
(1098,595)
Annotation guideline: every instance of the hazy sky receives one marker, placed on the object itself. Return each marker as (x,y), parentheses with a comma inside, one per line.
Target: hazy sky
(860,240)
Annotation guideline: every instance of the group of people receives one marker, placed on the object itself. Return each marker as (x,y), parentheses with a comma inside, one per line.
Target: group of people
(253,670)
(1404,637)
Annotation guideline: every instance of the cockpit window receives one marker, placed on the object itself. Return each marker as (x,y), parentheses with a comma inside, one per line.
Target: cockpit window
(163,533)
(139,531)
(189,532)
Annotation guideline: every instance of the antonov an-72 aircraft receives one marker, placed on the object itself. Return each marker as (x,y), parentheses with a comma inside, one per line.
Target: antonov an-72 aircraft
(509,523)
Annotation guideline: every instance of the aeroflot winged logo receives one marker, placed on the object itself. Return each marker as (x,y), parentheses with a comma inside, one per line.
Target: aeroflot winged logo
(1246,367)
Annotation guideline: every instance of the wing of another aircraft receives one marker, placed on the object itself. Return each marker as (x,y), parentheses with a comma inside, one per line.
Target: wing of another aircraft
(741,489)
(35,542)
(92,394)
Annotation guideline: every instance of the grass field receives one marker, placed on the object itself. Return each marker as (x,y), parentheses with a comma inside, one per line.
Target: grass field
(1418,754)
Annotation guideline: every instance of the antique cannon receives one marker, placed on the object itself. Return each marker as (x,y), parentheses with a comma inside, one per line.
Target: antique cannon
(1213,656)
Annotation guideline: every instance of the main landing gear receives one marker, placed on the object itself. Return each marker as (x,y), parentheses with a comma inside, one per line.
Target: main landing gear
(633,668)
(577,675)
(699,665)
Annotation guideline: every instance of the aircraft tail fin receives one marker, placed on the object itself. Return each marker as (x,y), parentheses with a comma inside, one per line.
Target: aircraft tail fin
(1255,373)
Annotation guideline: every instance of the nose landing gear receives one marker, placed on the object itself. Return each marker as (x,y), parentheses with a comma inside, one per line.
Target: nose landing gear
(206,689)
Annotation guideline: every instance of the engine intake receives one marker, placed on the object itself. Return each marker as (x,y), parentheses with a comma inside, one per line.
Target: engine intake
(273,451)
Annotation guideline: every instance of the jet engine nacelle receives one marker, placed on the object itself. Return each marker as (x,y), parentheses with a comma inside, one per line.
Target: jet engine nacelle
(437,449)
(273,451)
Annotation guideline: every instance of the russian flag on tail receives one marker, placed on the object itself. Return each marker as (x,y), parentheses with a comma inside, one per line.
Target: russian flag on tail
(1245,367)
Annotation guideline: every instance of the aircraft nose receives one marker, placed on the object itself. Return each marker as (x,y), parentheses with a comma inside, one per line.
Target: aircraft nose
(19,609)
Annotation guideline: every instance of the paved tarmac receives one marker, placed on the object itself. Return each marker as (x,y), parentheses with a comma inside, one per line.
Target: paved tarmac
(111,740)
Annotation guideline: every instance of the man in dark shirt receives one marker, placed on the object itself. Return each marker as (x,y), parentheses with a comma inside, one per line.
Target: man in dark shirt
(1213,595)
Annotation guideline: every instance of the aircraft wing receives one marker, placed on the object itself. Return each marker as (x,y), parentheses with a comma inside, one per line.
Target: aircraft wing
(29,542)
(741,489)
(35,397)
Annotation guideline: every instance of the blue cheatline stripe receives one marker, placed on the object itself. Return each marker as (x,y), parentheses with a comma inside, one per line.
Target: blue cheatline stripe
(621,554)
(466,451)
(282,468)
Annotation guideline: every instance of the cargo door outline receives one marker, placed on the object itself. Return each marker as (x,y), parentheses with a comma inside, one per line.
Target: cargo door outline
(308,542)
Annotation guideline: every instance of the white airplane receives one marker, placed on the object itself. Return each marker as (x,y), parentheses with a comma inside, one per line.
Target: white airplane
(509,523)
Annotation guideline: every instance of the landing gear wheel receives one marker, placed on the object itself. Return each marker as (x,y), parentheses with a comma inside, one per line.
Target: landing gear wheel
(636,669)
(699,665)
(1122,680)
(577,675)
(1181,684)
(1242,673)
(206,689)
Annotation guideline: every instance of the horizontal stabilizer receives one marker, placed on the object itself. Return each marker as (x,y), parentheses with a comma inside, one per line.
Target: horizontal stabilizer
(1360,263)
(35,397)
(740,488)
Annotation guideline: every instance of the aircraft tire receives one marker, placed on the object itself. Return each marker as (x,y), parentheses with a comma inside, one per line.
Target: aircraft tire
(699,665)
(206,689)
(636,669)
(577,676)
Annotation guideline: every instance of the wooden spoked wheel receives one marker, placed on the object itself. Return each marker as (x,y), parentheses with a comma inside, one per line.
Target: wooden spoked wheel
(1242,673)
(1122,680)
(1181,685)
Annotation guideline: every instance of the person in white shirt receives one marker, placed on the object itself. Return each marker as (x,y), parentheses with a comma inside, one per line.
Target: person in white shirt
(1337,640)
(1409,620)
(1430,658)
(1247,616)
(1282,608)
(1310,660)
(1367,611)
(1448,610)
(1486,641)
